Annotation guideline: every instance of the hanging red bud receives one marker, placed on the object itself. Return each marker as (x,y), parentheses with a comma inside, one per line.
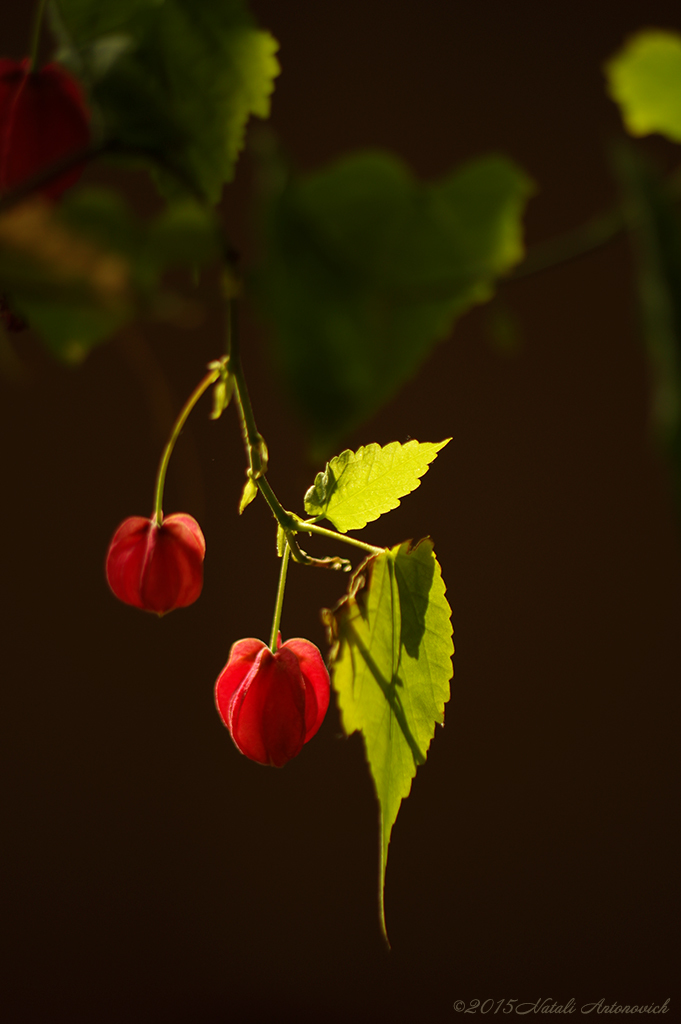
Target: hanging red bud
(42,118)
(157,568)
(272,702)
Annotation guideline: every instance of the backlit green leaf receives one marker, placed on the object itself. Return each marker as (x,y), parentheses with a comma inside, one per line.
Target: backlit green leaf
(248,494)
(644,78)
(176,80)
(391,664)
(358,487)
(366,268)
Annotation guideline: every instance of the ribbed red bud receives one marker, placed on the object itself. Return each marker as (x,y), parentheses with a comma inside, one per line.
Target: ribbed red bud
(157,568)
(272,702)
(43,117)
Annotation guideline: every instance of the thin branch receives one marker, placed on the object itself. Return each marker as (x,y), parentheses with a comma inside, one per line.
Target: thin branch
(48,174)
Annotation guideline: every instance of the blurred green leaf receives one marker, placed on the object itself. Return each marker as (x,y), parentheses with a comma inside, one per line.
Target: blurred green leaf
(358,487)
(392,662)
(80,271)
(68,285)
(367,268)
(177,80)
(644,79)
(656,232)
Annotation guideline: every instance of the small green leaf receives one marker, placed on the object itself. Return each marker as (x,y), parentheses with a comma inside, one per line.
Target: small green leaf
(644,78)
(249,492)
(392,663)
(366,268)
(358,487)
(222,394)
(175,80)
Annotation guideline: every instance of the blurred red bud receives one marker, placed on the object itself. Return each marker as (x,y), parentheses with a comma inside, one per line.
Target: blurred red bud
(157,568)
(272,702)
(43,117)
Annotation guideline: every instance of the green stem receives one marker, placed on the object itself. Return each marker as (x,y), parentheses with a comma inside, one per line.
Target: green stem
(209,379)
(292,524)
(256,451)
(285,520)
(280,598)
(35,36)
(313,528)
(578,242)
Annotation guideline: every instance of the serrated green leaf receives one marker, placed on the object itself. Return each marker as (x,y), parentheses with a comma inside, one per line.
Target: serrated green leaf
(391,665)
(656,233)
(177,80)
(367,268)
(248,494)
(358,487)
(644,79)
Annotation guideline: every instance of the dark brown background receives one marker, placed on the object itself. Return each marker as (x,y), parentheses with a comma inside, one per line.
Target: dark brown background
(152,873)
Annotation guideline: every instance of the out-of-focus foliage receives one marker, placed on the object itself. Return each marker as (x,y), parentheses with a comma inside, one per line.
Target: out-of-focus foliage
(366,268)
(80,271)
(644,78)
(656,232)
(176,80)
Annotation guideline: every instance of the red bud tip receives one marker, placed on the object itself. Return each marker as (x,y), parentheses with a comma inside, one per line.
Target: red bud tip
(157,568)
(43,117)
(273,703)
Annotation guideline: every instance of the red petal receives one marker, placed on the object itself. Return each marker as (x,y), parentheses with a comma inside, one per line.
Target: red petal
(239,664)
(173,575)
(268,710)
(317,684)
(186,527)
(125,559)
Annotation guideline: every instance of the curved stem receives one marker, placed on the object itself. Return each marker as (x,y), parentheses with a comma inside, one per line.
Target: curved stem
(209,379)
(35,35)
(280,597)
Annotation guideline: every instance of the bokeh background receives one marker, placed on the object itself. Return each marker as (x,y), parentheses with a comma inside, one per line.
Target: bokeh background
(153,874)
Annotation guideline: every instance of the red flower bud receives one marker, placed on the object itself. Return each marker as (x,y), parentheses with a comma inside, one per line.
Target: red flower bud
(42,118)
(157,568)
(272,703)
